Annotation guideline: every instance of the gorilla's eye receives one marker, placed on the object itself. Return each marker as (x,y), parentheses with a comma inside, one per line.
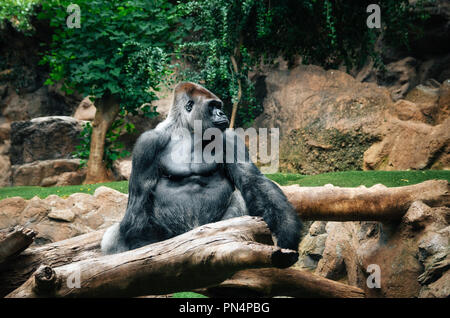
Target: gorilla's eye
(189,105)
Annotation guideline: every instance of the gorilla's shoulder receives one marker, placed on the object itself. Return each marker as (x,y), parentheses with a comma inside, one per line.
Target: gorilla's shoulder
(151,140)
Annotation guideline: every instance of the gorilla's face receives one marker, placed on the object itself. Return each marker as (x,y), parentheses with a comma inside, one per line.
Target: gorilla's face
(197,103)
(209,111)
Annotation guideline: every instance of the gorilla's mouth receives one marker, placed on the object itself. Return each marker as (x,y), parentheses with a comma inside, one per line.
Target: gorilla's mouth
(222,124)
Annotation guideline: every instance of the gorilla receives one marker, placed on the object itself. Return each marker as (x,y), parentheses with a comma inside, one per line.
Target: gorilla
(168,198)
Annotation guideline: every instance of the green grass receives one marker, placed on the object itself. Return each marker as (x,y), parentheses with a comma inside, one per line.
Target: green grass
(188,295)
(342,179)
(28,192)
(357,178)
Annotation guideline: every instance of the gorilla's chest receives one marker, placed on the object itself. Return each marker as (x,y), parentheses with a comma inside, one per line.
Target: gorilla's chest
(181,158)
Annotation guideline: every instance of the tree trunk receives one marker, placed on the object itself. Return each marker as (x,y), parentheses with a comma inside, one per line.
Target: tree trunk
(238,99)
(270,282)
(200,258)
(235,60)
(107,110)
(377,203)
(14,272)
(14,242)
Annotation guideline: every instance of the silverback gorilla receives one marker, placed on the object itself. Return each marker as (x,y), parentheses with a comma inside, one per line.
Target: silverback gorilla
(168,198)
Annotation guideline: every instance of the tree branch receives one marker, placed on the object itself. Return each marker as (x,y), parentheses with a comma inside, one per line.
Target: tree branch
(200,258)
(269,282)
(377,203)
(14,242)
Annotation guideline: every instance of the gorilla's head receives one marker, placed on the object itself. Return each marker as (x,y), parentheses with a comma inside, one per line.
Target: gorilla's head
(194,102)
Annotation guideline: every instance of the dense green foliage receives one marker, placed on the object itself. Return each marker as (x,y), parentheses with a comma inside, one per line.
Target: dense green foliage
(324,32)
(18,13)
(119,50)
(342,179)
(123,48)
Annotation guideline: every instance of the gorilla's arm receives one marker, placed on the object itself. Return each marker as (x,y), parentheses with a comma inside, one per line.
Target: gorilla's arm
(134,228)
(264,198)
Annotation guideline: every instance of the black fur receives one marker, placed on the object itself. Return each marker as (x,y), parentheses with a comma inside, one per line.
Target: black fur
(167,199)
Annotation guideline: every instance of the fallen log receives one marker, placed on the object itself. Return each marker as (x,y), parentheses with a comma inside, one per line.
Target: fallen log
(14,242)
(270,282)
(200,258)
(377,203)
(15,272)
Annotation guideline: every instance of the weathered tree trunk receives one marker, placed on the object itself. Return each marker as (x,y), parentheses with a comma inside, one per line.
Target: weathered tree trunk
(107,110)
(316,203)
(16,271)
(269,282)
(238,98)
(14,242)
(235,60)
(200,258)
(377,203)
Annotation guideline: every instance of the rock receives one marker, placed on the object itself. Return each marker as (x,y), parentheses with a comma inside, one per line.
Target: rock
(122,169)
(317,228)
(44,138)
(5,130)
(56,218)
(57,172)
(62,215)
(406,110)
(5,171)
(410,145)
(435,266)
(400,77)
(36,102)
(444,102)
(86,110)
(310,251)
(437,289)
(318,111)
(35,211)
(10,210)
(413,255)
(418,214)
(5,164)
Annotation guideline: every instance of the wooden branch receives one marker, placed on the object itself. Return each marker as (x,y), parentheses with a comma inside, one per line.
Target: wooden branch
(15,272)
(269,282)
(14,242)
(377,203)
(200,258)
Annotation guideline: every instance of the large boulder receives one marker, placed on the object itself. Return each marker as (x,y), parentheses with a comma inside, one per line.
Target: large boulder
(44,138)
(327,119)
(410,145)
(5,164)
(413,255)
(56,218)
(45,173)
(19,105)
(416,133)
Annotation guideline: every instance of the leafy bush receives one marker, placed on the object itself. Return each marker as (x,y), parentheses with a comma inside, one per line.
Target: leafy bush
(324,32)
(18,13)
(118,51)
